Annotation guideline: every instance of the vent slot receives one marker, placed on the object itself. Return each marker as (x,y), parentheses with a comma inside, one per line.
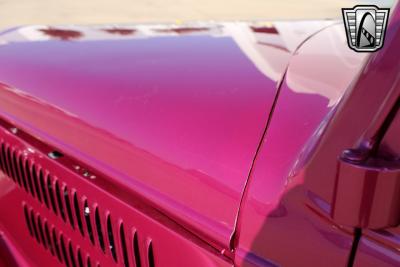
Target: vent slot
(68,207)
(64,250)
(150,254)
(51,194)
(78,213)
(2,158)
(79,256)
(8,162)
(71,254)
(43,188)
(86,213)
(48,238)
(29,178)
(36,182)
(136,250)
(27,220)
(15,167)
(33,223)
(6,159)
(123,245)
(99,230)
(59,201)
(88,262)
(41,232)
(56,245)
(111,239)
(21,171)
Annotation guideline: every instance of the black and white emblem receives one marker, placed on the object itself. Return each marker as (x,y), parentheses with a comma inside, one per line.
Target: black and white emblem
(365,27)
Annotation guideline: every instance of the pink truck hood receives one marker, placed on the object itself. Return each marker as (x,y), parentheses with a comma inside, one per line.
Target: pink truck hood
(174,113)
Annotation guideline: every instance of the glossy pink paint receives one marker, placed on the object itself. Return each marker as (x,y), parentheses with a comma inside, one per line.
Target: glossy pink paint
(151,116)
(280,216)
(169,126)
(176,119)
(288,201)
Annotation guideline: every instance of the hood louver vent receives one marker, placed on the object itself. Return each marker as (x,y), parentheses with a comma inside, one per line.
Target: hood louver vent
(53,240)
(72,209)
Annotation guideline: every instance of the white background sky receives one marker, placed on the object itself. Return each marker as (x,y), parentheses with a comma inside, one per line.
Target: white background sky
(23,12)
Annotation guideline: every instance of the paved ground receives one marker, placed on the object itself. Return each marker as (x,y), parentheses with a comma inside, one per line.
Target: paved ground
(21,12)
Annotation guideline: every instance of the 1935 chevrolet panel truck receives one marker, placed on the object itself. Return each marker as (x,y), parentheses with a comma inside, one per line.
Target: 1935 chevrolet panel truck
(230,144)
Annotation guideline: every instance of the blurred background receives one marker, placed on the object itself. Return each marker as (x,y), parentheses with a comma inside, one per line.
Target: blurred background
(27,12)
